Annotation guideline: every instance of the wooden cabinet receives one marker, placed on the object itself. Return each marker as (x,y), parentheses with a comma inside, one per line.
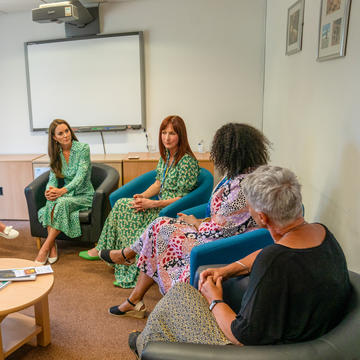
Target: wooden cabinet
(16,172)
(137,164)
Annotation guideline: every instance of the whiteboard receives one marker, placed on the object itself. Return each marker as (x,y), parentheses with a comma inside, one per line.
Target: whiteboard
(95,83)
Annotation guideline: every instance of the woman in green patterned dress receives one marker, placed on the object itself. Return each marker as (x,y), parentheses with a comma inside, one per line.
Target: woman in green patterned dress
(176,175)
(69,163)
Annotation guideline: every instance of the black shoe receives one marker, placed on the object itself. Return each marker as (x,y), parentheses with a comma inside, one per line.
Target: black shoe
(104,255)
(132,342)
(138,312)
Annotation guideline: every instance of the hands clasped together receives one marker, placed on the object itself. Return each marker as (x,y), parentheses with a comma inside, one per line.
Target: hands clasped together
(53,193)
(210,283)
(142,203)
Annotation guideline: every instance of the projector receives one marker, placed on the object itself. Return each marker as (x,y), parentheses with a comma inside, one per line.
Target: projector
(72,12)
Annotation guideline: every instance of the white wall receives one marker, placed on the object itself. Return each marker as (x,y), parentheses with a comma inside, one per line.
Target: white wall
(311,114)
(204,61)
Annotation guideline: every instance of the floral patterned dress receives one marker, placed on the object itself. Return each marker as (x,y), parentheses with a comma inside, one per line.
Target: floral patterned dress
(165,246)
(124,226)
(79,194)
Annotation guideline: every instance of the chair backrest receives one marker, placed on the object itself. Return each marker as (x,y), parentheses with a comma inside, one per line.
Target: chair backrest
(98,174)
(198,196)
(228,250)
(205,185)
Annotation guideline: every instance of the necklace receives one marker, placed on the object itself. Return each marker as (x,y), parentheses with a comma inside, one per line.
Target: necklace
(293,229)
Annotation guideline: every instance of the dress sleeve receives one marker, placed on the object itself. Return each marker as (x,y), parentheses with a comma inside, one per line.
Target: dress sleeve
(83,168)
(52,180)
(260,320)
(229,212)
(188,173)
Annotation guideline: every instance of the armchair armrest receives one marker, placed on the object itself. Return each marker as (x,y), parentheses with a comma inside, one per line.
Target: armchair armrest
(181,204)
(34,194)
(100,207)
(135,186)
(317,349)
(198,211)
(228,250)
(35,199)
(198,196)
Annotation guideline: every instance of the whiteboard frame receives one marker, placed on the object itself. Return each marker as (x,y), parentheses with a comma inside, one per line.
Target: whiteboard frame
(93,128)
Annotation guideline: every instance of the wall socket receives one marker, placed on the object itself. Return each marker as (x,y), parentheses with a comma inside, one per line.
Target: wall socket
(1,190)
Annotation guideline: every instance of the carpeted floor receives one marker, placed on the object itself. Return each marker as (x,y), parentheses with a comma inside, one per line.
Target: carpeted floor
(81,327)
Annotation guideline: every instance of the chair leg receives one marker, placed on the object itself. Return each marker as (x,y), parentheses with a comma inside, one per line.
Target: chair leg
(38,243)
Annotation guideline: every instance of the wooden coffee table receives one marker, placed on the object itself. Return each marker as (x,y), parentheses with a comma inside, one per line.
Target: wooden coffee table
(17,329)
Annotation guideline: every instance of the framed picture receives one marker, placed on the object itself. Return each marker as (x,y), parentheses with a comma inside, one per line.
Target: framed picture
(294,31)
(334,20)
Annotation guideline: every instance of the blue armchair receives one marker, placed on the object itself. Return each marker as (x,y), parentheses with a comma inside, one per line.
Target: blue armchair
(141,183)
(224,251)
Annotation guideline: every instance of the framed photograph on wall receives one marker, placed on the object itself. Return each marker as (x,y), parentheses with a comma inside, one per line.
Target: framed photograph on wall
(334,20)
(294,28)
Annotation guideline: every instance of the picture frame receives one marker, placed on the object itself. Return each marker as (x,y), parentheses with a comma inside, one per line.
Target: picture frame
(333,28)
(294,29)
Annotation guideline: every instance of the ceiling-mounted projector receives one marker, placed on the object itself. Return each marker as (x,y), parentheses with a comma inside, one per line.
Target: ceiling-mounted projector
(71,11)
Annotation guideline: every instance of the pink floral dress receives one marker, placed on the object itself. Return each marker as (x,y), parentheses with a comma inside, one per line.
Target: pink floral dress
(165,246)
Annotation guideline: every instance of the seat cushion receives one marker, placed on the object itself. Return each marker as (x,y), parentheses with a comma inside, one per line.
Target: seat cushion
(85,217)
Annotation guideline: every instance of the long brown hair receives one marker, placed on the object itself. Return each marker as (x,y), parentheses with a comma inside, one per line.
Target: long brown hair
(179,127)
(54,147)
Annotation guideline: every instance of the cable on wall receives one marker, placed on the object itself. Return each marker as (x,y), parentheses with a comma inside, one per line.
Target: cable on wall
(102,138)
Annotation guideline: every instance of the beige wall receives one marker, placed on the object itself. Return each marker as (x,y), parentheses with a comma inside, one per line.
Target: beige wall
(311,114)
(204,60)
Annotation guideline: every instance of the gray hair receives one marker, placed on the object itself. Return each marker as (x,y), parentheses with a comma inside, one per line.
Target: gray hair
(275,191)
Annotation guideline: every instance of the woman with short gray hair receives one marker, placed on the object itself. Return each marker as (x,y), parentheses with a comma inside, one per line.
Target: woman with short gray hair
(276,192)
(297,288)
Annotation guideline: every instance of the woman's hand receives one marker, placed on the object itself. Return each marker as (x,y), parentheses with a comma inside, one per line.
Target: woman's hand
(138,196)
(53,193)
(190,219)
(141,204)
(211,289)
(215,273)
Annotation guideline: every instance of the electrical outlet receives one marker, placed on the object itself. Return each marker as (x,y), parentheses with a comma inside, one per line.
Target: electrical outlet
(1,190)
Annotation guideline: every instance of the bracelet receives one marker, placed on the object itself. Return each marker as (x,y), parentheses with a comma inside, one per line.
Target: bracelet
(214,302)
(243,265)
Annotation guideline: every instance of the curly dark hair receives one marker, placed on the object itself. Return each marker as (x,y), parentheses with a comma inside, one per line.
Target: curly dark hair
(236,148)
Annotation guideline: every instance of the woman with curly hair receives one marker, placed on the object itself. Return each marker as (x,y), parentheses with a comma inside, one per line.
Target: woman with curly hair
(165,246)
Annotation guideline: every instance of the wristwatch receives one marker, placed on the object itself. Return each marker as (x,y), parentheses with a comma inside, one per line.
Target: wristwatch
(214,302)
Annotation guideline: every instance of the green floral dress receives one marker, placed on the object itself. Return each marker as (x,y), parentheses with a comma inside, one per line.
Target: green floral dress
(124,226)
(79,194)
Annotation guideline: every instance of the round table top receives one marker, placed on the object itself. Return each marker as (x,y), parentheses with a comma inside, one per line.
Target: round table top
(21,294)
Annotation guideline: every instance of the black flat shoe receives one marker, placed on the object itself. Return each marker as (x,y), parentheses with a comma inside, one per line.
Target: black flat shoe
(132,342)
